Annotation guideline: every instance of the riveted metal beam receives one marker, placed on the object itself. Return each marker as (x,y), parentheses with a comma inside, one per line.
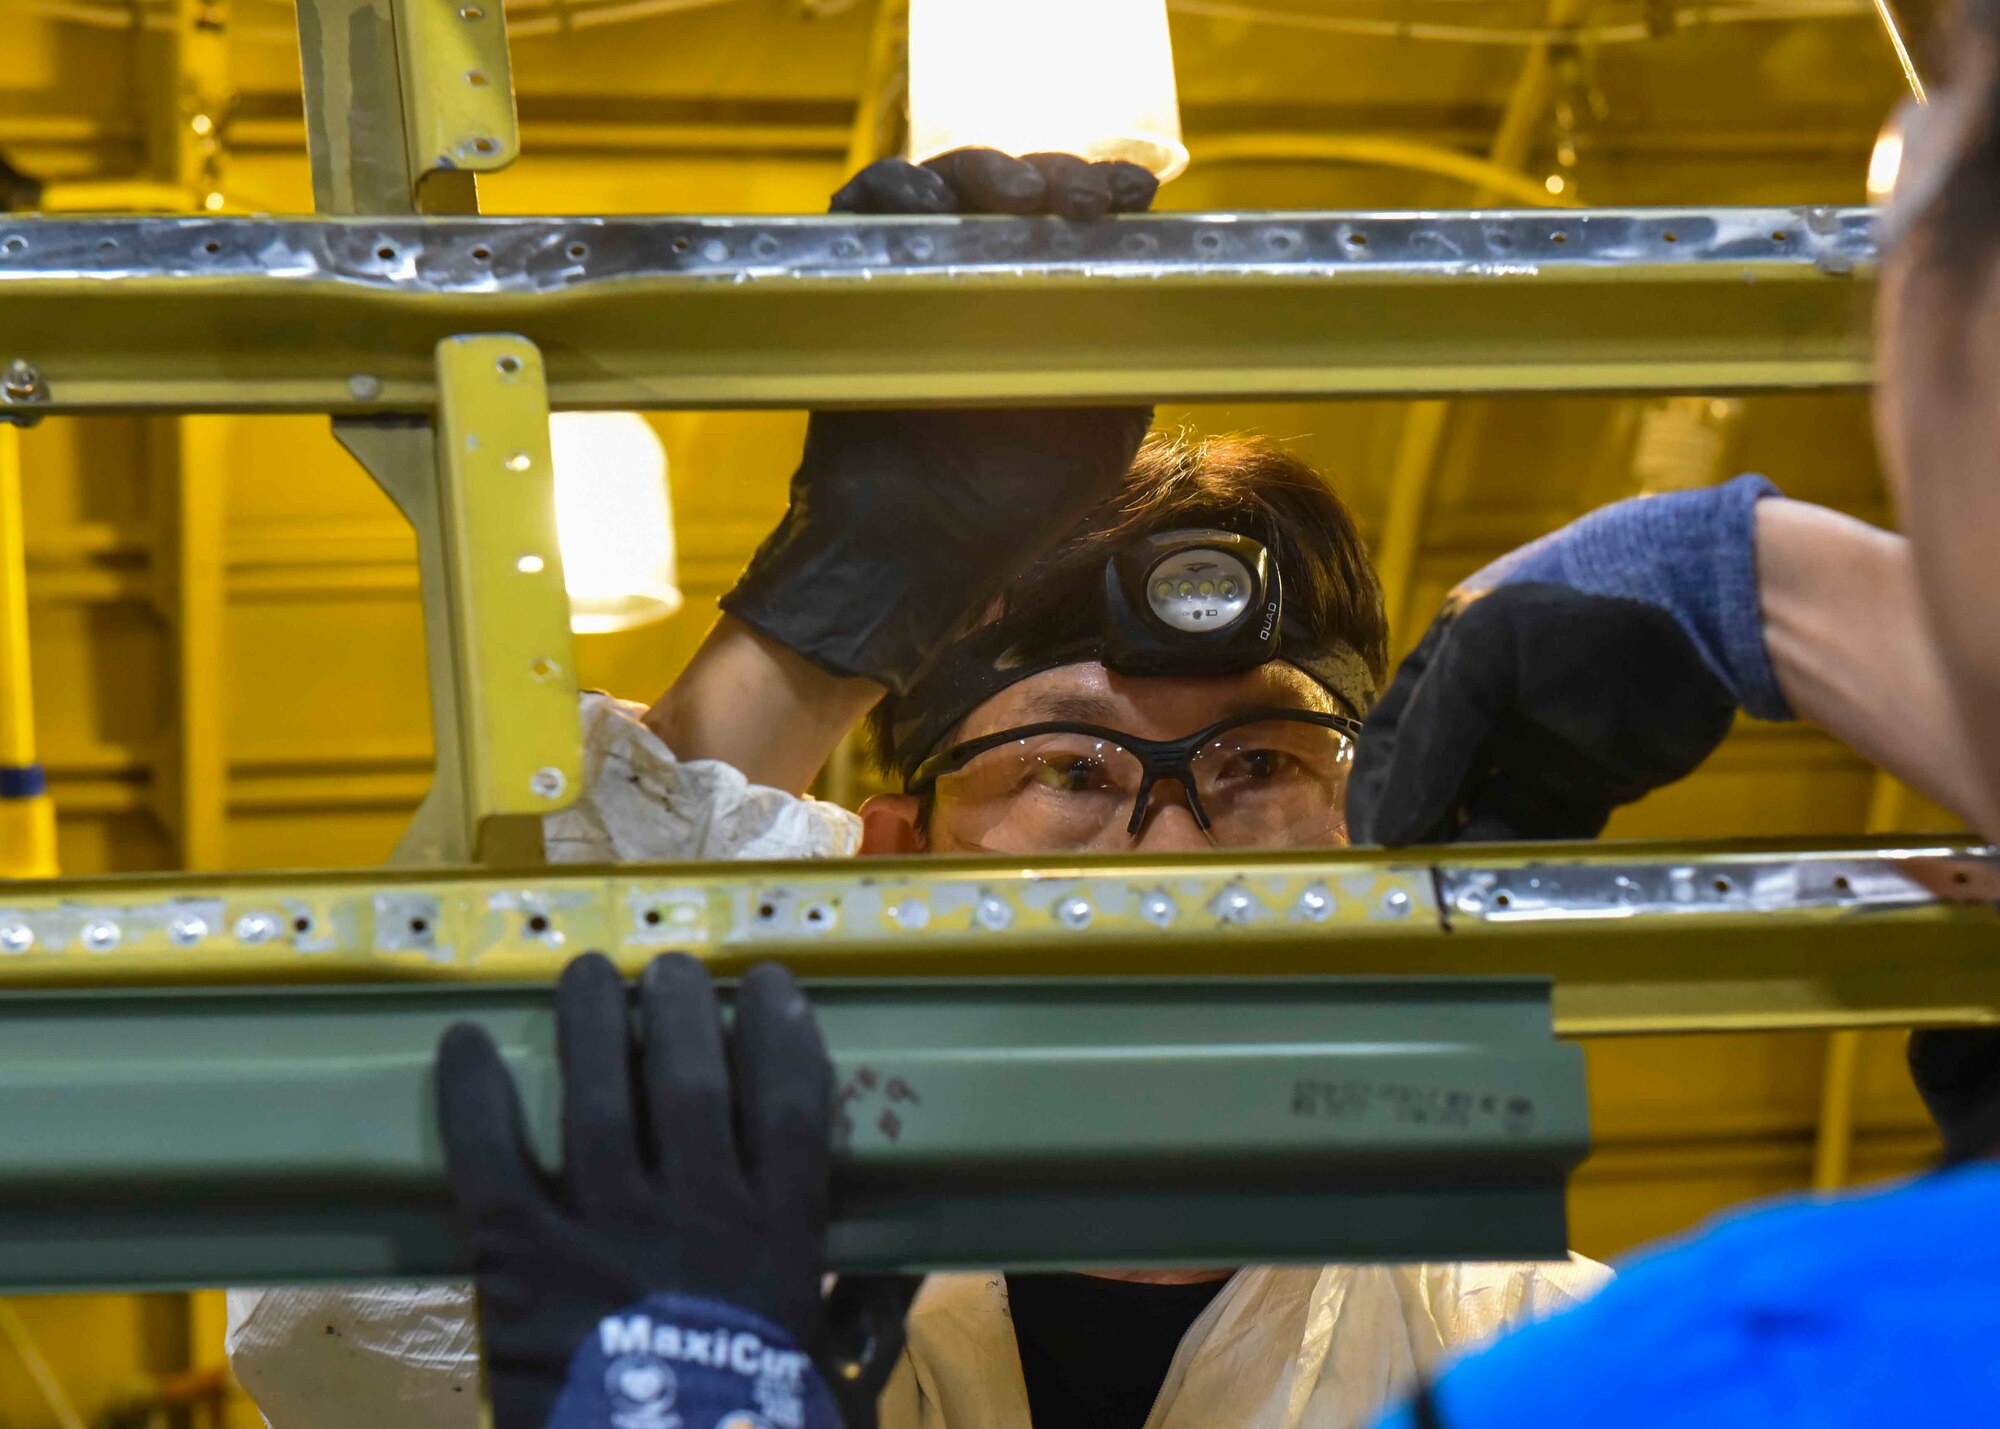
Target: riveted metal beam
(344,315)
(173,1137)
(1638,938)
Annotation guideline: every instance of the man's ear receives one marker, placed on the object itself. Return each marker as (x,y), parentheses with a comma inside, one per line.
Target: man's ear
(889,825)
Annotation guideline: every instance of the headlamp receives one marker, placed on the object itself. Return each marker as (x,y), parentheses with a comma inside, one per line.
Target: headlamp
(1188,602)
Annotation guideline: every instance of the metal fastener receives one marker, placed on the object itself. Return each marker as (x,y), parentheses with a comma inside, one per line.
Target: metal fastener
(910,913)
(1396,903)
(256,928)
(101,935)
(993,914)
(548,783)
(1315,904)
(1074,912)
(186,930)
(364,387)
(1236,906)
(1158,909)
(16,937)
(22,382)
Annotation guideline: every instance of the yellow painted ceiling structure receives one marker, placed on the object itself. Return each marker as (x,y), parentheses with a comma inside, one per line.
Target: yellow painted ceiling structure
(227,653)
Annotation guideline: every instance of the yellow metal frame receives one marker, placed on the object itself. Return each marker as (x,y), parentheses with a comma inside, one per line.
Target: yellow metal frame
(1638,938)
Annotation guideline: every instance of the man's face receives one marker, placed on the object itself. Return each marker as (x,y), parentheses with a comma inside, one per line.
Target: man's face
(1262,784)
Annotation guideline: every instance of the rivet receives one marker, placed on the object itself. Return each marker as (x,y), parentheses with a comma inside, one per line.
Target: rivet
(993,914)
(910,913)
(187,930)
(16,938)
(1396,903)
(1158,909)
(22,382)
(548,783)
(1315,904)
(364,387)
(1236,905)
(101,935)
(256,928)
(1074,912)
(519,461)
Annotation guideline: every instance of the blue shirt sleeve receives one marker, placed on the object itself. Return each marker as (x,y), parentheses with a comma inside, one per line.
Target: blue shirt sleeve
(1873,1310)
(1692,553)
(683,1362)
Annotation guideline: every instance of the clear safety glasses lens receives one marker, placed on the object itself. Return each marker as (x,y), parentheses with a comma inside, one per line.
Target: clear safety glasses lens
(1265,784)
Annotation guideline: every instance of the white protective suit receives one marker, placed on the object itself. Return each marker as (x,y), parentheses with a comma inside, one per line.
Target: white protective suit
(1279,1348)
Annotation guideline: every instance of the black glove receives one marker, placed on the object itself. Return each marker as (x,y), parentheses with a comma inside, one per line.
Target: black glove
(1957,1071)
(1531,712)
(988,181)
(675,1263)
(903,526)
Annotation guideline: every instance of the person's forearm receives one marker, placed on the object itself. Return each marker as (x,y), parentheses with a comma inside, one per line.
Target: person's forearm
(1852,651)
(752,703)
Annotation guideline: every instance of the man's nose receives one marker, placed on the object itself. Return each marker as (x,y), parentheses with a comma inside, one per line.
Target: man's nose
(1170,825)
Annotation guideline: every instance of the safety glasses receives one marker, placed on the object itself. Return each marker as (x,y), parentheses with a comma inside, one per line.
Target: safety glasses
(1260,779)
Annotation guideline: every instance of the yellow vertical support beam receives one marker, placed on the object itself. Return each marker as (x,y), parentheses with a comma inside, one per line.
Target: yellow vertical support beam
(27,815)
(194,502)
(519,737)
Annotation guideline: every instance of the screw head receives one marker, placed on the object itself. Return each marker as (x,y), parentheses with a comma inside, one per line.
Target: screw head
(1074,912)
(256,928)
(21,382)
(1158,909)
(1315,904)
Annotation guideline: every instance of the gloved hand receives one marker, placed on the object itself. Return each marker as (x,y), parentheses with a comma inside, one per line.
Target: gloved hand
(988,181)
(1957,1072)
(675,1262)
(905,525)
(1572,676)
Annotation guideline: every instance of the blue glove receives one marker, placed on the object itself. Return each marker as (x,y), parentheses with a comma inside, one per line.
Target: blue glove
(1869,1311)
(1572,676)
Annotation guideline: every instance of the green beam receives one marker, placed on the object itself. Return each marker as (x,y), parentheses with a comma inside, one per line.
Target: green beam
(343,315)
(1639,938)
(248,1136)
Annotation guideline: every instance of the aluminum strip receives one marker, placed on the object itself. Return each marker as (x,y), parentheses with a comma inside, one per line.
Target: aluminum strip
(248,314)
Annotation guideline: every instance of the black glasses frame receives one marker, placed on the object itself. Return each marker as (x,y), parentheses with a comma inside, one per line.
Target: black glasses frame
(1158,758)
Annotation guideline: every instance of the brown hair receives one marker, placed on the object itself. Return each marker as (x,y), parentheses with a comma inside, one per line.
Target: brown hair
(1249,485)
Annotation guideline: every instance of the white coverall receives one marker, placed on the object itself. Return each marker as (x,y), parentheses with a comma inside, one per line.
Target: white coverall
(1278,1348)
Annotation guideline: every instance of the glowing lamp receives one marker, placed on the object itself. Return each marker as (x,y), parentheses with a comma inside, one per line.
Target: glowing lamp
(1089,77)
(614,519)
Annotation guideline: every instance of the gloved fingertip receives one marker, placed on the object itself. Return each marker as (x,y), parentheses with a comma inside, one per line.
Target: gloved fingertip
(891,186)
(988,181)
(588,970)
(1131,187)
(1076,191)
(676,974)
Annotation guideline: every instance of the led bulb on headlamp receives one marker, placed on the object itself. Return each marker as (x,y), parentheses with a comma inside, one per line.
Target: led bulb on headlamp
(1199,590)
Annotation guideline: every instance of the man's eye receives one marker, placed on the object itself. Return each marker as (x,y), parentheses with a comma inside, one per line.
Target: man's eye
(1069,775)
(1262,764)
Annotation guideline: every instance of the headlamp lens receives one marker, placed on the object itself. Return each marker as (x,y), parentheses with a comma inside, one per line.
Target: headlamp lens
(1199,591)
